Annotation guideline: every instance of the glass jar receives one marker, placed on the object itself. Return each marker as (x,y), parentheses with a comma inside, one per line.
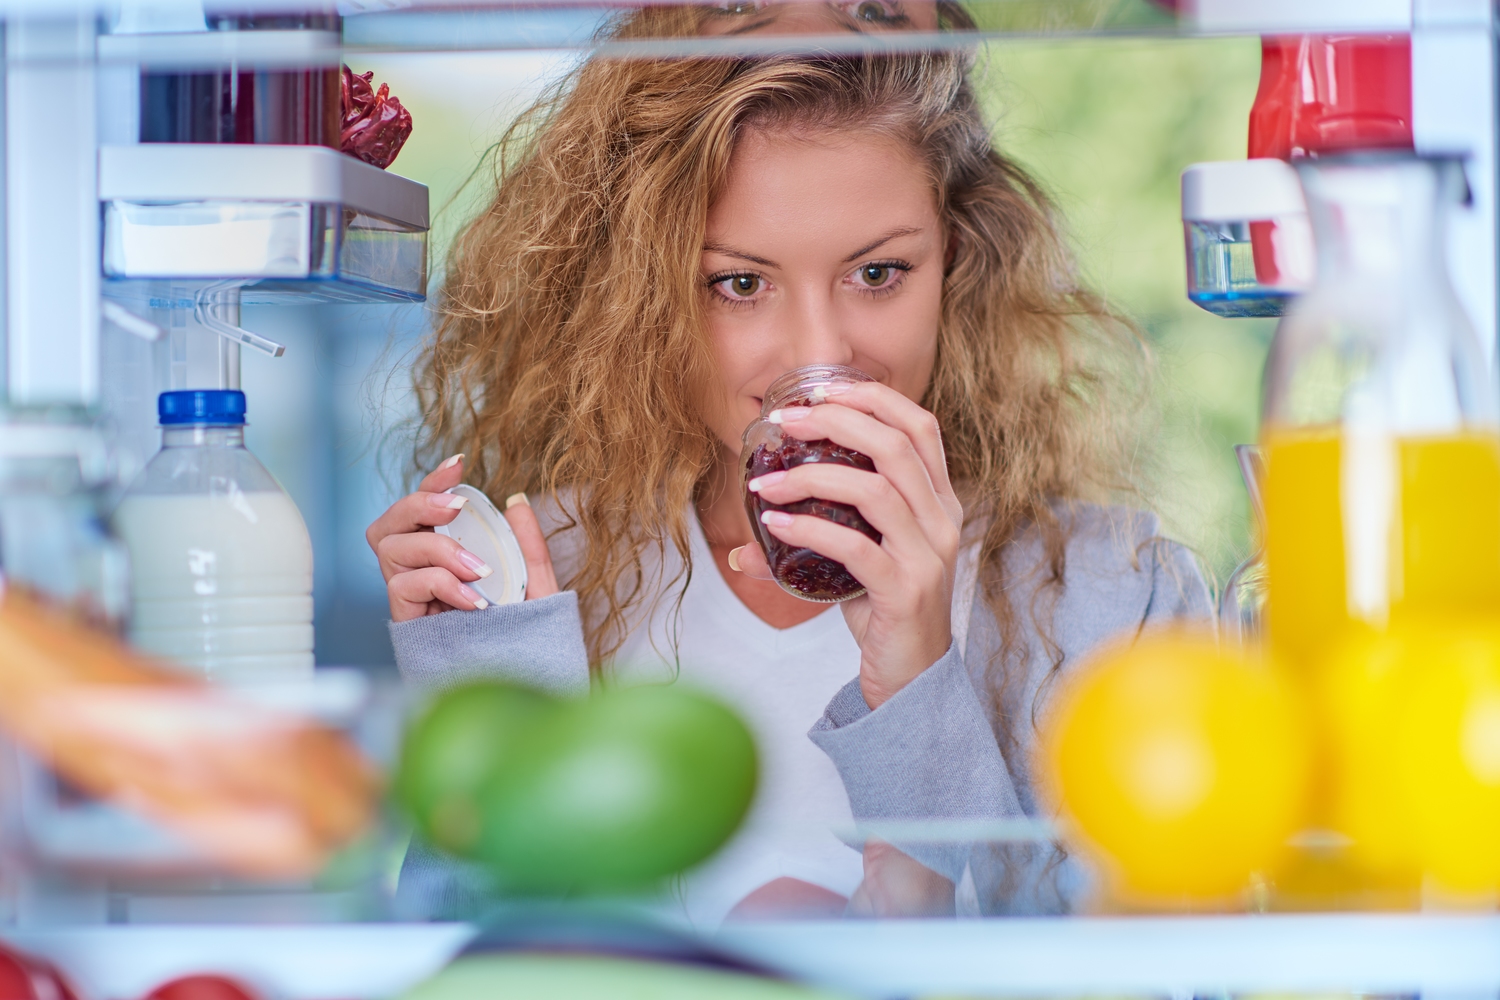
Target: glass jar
(801,571)
(1382,492)
(246,103)
(221,561)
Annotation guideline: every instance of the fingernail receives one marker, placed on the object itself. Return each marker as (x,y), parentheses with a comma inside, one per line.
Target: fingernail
(734,558)
(769,479)
(475,563)
(831,389)
(516,498)
(451,462)
(479,603)
(789,415)
(447,501)
(776,519)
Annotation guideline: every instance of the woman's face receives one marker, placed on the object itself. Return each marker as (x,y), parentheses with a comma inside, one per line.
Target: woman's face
(820,250)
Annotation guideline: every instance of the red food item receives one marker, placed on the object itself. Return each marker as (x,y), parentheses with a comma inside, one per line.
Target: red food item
(202,987)
(799,569)
(25,977)
(374,125)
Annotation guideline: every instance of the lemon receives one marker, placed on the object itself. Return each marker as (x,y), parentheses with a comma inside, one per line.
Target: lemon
(1184,768)
(1447,748)
(1361,692)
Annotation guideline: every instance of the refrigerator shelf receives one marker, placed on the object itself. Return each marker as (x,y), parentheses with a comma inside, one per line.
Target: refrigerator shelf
(300,223)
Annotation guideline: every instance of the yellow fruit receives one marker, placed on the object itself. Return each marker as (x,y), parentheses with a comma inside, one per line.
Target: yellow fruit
(1447,745)
(1360,696)
(1185,768)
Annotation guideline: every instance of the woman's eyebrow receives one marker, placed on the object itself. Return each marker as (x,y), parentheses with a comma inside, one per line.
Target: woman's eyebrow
(893,234)
(729,251)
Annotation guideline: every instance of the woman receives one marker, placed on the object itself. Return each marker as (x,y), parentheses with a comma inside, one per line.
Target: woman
(671,237)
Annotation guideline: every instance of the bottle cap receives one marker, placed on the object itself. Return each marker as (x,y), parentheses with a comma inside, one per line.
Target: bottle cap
(201,406)
(484,531)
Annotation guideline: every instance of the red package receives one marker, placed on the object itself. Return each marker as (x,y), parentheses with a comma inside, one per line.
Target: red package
(374,125)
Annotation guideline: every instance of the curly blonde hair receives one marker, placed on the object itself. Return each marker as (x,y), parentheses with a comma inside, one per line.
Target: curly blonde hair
(569,341)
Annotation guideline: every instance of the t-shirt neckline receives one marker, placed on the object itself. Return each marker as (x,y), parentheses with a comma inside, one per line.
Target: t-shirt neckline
(724,597)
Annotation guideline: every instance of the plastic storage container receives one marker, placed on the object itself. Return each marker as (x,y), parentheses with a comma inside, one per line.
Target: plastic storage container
(802,572)
(1249,245)
(221,560)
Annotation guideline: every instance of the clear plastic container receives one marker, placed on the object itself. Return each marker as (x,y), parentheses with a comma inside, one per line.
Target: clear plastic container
(801,571)
(221,560)
(1249,245)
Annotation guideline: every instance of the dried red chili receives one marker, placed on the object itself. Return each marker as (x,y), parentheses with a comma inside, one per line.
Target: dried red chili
(374,126)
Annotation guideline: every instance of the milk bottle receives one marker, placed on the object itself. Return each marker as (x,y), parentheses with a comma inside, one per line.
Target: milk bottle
(221,562)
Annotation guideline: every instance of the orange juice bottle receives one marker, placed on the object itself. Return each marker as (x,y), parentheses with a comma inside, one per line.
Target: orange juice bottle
(1442,534)
(1381,445)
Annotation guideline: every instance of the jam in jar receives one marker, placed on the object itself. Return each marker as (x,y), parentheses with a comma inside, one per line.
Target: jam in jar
(801,571)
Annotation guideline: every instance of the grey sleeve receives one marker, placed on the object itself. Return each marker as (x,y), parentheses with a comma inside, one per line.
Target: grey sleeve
(1178,590)
(538,643)
(927,753)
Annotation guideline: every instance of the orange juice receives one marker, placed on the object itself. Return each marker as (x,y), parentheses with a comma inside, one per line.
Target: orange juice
(1442,539)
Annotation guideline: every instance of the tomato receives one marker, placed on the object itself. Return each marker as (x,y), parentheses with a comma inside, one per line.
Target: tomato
(202,987)
(621,789)
(454,749)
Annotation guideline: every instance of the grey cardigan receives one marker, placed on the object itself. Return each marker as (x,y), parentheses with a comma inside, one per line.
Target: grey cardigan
(934,750)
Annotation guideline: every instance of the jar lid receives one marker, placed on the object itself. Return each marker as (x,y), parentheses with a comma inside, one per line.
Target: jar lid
(201,406)
(484,531)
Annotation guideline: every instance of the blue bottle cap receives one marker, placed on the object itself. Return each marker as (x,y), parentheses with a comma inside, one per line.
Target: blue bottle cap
(201,406)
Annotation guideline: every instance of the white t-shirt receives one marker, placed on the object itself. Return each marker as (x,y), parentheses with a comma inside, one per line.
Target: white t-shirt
(779,680)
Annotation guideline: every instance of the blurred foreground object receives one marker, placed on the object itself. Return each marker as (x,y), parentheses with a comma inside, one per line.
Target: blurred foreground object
(610,792)
(265,793)
(373,126)
(26,977)
(1183,768)
(1412,719)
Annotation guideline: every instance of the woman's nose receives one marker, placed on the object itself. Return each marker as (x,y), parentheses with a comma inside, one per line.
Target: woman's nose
(817,335)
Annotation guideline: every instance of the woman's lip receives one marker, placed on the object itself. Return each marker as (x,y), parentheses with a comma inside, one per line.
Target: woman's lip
(758,400)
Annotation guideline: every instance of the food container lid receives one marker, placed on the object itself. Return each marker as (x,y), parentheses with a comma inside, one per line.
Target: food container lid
(483,530)
(1240,191)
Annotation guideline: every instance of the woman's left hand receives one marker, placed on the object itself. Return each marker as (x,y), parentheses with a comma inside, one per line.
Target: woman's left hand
(902,623)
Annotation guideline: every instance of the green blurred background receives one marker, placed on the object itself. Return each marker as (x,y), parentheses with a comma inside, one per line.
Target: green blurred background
(1105,122)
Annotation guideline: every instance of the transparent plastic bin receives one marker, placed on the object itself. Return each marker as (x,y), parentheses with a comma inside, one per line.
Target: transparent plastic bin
(327,250)
(1249,244)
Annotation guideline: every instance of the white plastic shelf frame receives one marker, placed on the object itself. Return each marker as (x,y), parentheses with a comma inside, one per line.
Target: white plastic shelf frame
(1080,956)
(292,222)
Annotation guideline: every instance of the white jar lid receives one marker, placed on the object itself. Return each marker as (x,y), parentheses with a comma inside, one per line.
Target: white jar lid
(483,530)
(1241,191)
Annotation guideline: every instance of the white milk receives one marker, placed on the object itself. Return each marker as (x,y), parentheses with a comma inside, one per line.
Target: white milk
(221,584)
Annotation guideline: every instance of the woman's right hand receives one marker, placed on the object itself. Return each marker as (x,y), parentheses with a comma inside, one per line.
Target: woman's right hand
(427,573)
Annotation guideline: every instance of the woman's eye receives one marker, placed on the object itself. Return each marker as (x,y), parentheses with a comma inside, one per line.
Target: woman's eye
(875,275)
(741,7)
(872,12)
(742,285)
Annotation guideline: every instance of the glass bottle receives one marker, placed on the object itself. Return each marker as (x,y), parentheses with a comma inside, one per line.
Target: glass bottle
(221,561)
(801,571)
(1382,493)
